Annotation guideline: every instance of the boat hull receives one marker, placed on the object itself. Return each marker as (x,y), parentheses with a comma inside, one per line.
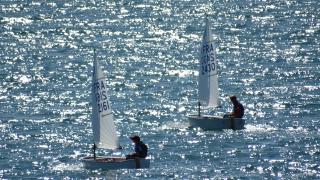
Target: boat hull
(109,163)
(207,122)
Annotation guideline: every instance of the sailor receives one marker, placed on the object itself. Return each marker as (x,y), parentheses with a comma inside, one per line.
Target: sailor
(141,150)
(238,110)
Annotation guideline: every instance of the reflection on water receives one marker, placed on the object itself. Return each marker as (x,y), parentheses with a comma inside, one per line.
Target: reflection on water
(267,56)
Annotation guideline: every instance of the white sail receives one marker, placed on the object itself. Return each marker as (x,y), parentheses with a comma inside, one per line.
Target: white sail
(104,131)
(208,76)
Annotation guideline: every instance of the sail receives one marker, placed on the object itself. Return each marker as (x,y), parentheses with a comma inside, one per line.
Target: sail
(208,76)
(104,131)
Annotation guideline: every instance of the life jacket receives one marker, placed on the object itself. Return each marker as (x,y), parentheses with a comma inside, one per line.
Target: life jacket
(238,110)
(144,149)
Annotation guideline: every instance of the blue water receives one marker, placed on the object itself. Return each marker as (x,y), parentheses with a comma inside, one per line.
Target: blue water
(268,55)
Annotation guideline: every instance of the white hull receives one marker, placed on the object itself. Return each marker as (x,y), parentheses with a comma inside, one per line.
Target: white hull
(207,122)
(109,163)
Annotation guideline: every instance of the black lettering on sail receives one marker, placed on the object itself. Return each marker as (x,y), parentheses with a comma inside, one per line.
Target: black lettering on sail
(104,95)
(208,58)
(103,106)
(211,47)
(102,85)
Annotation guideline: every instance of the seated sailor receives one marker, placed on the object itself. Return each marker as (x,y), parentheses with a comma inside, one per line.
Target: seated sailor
(238,110)
(141,150)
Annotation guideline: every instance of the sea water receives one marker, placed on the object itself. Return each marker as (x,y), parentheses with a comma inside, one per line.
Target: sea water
(267,53)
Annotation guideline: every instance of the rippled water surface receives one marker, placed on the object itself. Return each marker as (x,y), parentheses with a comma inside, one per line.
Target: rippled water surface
(268,55)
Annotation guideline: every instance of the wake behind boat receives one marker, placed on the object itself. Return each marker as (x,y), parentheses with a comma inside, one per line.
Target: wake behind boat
(104,130)
(208,89)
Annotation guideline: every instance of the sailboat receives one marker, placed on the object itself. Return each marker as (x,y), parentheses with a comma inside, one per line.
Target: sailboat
(208,93)
(104,129)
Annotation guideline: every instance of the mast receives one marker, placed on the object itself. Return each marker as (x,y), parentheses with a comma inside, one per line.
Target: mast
(199,104)
(94,147)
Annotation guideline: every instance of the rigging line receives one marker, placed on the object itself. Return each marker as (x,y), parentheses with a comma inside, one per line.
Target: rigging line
(103,115)
(213,75)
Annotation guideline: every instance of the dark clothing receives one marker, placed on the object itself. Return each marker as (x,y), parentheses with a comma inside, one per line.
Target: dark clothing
(238,110)
(141,149)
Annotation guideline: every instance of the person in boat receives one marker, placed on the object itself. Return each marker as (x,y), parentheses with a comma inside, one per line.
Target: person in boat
(141,150)
(238,109)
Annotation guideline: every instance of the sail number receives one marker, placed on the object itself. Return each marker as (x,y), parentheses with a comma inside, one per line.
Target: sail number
(102,100)
(104,106)
(101,97)
(208,63)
